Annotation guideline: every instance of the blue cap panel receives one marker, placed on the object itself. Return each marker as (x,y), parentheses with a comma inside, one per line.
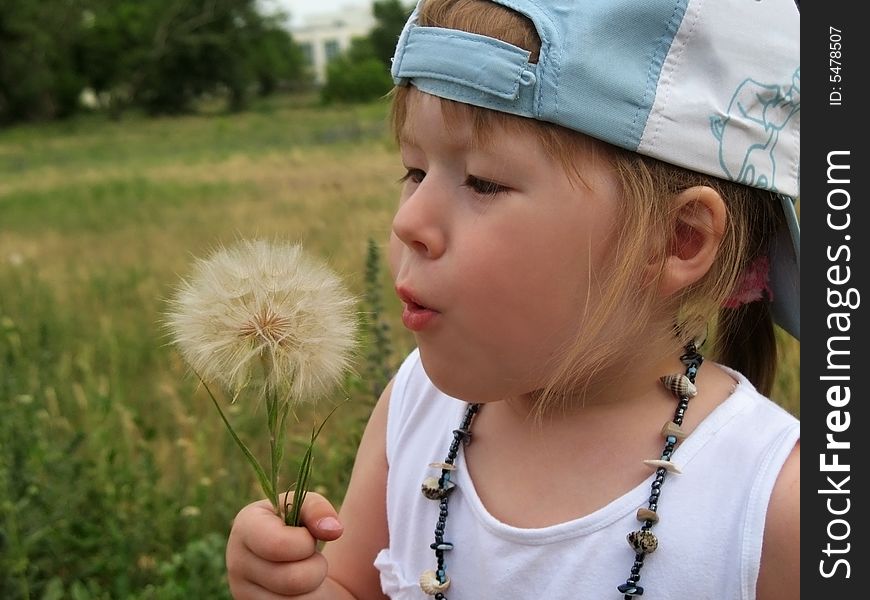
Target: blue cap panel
(496,67)
(468,68)
(616,49)
(606,90)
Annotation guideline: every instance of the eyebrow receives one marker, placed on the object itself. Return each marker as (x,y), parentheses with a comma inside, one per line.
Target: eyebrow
(408,137)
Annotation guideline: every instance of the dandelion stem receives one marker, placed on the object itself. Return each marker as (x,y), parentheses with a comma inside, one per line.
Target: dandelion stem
(276,451)
(272,417)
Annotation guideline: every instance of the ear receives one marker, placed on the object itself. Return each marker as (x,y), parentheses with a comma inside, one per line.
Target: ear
(701,217)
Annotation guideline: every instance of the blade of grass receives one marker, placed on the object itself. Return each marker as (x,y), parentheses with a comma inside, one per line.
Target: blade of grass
(301,488)
(261,474)
(291,513)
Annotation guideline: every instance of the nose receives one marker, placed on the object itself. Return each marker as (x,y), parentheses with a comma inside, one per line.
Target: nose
(421,219)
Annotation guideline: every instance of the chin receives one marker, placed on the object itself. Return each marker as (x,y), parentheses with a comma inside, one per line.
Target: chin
(462,382)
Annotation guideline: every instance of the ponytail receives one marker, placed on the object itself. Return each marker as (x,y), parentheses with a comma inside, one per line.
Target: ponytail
(745,341)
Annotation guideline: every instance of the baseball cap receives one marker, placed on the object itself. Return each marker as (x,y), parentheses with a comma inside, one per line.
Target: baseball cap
(710,86)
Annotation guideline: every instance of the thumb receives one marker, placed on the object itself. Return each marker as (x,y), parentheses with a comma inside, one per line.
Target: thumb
(320,518)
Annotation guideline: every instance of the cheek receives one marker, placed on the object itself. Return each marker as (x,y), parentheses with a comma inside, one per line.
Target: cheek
(525,297)
(557,275)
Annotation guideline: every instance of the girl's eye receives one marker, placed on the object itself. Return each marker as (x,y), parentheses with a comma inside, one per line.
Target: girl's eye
(484,187)
(413,175)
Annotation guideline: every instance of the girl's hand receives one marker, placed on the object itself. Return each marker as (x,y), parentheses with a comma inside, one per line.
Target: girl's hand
(268,560)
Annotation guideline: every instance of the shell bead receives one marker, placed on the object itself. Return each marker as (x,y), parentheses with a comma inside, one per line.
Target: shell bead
(432,490)
(642,541)
(444,466)
(645,514)
(667,465)
(679,385)
(672,429)
(430,584)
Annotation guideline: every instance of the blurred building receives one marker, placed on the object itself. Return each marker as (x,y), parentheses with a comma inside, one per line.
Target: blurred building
(323,36)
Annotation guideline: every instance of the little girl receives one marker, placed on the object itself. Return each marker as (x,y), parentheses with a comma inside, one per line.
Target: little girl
(588,185)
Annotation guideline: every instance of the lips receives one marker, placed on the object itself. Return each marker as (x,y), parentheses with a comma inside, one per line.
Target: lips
(416,316)
(408,297)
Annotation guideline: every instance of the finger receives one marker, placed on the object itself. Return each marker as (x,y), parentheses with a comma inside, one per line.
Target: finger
(287,579)
(263,533)
(320,517)
(248,590)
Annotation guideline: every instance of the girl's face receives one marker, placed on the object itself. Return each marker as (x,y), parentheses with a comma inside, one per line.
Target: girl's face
(495,251)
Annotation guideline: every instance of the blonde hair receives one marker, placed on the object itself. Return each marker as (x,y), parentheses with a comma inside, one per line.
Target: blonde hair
(647,225)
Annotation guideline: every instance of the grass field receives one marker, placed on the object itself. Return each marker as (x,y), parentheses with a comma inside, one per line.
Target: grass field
(117,479)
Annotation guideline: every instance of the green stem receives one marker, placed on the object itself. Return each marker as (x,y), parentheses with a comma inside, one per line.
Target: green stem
(272,417)
(275,437)
(292,513)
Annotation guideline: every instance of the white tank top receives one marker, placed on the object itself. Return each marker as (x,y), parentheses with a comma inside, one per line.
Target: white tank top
(710,532)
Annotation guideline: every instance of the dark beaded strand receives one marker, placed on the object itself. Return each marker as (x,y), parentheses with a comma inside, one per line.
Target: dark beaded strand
(692,359)
(460,436)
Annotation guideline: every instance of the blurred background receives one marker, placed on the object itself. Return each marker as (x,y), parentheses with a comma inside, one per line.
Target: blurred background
(135,135)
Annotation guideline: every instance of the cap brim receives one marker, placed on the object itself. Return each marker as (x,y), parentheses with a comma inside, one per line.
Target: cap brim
(785,274)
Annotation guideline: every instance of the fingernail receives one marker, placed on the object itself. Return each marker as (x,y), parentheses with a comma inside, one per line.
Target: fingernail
(329,524)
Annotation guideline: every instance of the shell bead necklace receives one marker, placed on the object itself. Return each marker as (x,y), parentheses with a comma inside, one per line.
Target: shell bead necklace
(435,582)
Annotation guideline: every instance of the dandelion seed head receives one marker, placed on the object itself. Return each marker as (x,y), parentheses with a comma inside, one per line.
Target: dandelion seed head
(268,310)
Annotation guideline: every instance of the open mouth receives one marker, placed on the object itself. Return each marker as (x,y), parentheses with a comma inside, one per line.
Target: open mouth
(416,316)
(410,300)
(415,306)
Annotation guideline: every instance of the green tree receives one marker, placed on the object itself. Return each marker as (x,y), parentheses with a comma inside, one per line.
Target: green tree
(356,75)
(115,48)
(215,46)
(276,60)
(38,79)
(390,17)
(363,72)
(160,54)
(198,47)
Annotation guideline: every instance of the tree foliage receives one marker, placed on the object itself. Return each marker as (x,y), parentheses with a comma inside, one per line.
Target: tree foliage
(37,74)
(159,54)
(390,17)
(356,76)
(363,72)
